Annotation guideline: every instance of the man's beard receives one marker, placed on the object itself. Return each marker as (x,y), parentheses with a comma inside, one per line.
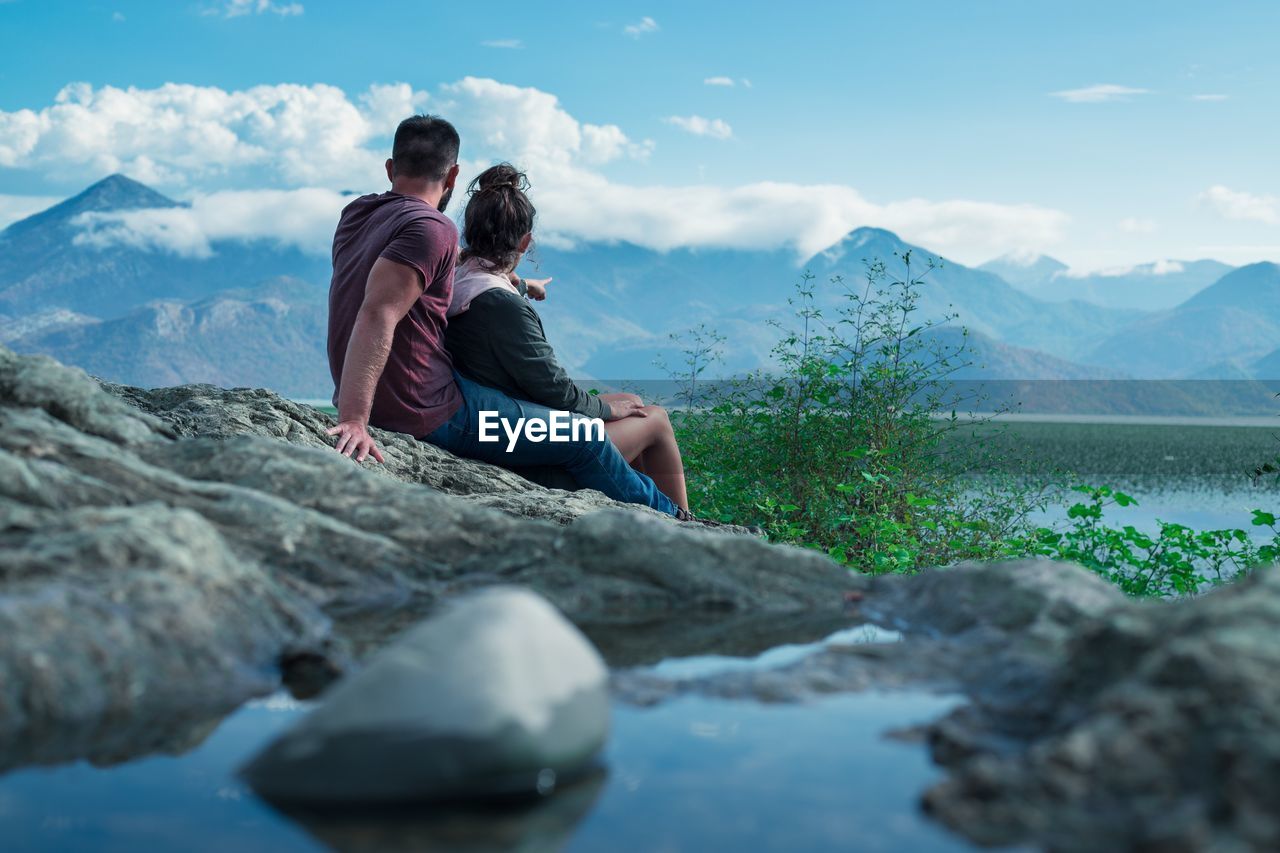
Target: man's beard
(444,200)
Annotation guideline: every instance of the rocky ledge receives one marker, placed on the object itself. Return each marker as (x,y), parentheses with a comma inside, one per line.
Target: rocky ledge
(166,554)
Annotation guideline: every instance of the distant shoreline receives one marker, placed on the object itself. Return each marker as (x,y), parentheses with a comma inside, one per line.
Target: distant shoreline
(1256,421)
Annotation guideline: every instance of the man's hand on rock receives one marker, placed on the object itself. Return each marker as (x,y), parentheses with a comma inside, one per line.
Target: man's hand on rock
(354,438)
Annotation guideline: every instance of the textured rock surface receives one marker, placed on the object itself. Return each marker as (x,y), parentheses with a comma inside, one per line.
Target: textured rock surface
(495,696)
(1160,729)
(211,412)
(149,573)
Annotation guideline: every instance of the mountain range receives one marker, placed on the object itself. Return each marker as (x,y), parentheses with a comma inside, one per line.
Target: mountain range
(252,313)
(1157,286)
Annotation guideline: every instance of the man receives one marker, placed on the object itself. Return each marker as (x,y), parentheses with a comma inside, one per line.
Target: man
(393,260)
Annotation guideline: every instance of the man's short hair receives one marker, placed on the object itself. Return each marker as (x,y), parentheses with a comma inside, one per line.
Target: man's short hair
(424,147)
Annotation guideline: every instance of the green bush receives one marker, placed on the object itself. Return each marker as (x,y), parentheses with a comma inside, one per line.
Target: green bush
(839,446)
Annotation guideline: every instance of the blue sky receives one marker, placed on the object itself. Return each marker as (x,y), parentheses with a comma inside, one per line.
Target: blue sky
(973,127)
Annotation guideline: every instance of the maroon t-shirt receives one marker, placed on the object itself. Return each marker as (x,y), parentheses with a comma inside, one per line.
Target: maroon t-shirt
(416,392)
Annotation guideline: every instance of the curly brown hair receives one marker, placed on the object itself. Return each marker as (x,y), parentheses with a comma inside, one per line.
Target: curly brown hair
(497,217)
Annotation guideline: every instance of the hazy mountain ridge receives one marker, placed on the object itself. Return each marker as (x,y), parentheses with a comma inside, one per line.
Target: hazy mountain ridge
(737,292)
(1156,286)
(148,317)
(1024,273)
(1223,331)
(273,336)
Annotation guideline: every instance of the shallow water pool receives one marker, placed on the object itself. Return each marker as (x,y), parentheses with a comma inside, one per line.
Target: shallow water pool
(688,774)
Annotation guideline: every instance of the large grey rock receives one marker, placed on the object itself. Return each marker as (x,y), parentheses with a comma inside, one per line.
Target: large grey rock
(210,412)
(108,611)
(1159,730)
(497,696)
(124,532)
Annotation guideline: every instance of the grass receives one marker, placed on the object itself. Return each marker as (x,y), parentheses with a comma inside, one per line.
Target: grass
(1133,454)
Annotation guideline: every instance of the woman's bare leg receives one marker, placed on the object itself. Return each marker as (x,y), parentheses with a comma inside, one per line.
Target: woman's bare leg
(649,444)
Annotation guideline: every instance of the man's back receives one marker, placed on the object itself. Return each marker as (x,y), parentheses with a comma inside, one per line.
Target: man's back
(416,392)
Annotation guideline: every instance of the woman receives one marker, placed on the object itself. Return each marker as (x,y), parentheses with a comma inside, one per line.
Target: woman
(496,338)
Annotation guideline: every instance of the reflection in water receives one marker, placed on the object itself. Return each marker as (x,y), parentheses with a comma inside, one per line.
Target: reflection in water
(701,666)
(730,634)
(117,741)
(542,825)
(706,774)
(690,774)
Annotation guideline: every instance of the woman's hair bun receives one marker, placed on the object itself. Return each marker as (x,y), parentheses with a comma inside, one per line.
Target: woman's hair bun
(501,176)
(498,216)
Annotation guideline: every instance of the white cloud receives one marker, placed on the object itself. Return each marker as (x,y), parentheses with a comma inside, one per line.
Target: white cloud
(1100,93)
(383,107)
(718,81)
(311,142)
(118,17)
(529,125)
(239,8)
(1166,267)
(1134,225)
(1210,97)
(303,219)
(503,44)
(179,134)
(1242,206)
(642,27)
(15,207)
(1157,268)
(699,126)
(1090,272)
(777,215)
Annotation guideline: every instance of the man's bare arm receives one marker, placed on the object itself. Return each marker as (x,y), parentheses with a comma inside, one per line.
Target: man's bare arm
(388,295)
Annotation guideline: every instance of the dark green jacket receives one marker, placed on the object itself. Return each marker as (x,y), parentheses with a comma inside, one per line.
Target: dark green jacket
(499,342)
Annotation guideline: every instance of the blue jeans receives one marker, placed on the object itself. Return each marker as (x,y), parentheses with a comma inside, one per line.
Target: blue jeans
(592,460)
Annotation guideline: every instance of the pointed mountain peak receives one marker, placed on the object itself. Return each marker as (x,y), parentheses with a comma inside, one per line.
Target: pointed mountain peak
(118,192)
(114,192)
(867,236)
(864,242)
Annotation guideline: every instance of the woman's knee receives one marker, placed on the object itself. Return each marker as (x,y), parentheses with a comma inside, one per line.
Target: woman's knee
(659,421)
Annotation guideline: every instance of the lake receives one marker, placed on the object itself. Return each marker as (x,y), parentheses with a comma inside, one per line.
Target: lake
(1192,471)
